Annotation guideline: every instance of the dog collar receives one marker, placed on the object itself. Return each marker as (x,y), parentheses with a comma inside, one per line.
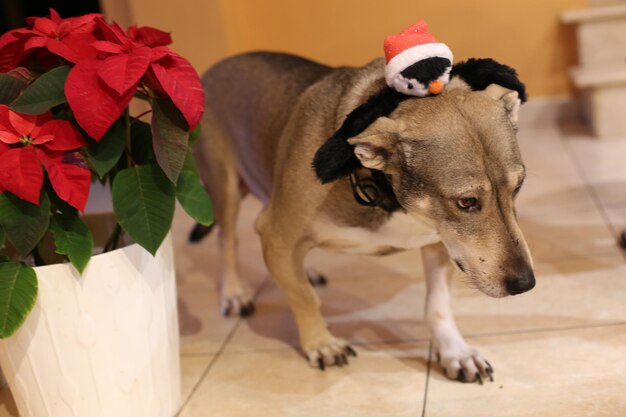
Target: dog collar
(374,191)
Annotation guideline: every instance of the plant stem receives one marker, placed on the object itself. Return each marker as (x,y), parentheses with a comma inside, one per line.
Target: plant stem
(113,241)
(141,115)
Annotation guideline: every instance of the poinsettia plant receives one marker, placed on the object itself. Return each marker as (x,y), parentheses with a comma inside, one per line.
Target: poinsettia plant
(65,90)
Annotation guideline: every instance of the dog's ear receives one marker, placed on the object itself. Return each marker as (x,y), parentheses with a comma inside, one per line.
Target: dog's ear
(374,146)
(510,99)
(480,73)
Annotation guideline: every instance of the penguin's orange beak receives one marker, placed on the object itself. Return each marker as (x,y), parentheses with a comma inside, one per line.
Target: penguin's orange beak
(435,87)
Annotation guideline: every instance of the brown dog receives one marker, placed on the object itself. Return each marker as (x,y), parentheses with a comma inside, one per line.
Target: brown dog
(451,163)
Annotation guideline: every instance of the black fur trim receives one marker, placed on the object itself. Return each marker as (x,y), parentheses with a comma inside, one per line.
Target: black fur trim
(480,72)
(335,158)
(426,70)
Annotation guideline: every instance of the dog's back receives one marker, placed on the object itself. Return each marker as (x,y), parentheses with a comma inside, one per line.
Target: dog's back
(248,99)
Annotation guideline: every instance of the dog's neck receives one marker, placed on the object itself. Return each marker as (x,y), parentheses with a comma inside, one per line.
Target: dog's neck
(372,188)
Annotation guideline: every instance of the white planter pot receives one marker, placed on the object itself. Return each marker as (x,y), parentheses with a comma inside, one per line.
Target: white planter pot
(104,344)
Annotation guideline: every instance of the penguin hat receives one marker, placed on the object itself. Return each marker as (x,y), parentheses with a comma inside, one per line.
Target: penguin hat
(417,65)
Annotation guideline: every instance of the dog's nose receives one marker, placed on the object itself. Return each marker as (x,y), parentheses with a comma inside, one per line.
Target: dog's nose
(520,283)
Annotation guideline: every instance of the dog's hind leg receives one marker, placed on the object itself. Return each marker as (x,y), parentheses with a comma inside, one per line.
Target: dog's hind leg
(459,361)
(217,167)
(286,264)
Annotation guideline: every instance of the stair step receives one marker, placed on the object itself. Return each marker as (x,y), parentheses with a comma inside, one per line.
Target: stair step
(594,14)
(585,77)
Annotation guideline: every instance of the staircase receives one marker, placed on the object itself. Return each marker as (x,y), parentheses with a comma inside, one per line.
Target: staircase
(601,75)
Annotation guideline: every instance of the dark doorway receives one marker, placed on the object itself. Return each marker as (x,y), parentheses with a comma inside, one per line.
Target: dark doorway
(13,12)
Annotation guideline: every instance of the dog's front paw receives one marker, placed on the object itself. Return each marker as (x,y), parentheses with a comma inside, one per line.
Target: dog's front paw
(237,304)
(465,364)
(332,352)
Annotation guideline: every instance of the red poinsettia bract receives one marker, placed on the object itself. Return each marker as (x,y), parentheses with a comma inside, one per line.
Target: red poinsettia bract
(27,142)
(110,65)
(70,38)
(98,90)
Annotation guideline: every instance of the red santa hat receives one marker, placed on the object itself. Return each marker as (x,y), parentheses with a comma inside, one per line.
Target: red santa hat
(410,46)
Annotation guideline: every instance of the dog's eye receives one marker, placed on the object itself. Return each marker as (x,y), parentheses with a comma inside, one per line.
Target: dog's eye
(468,204)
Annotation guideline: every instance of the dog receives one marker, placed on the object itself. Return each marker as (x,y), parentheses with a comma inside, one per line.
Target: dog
(438,173)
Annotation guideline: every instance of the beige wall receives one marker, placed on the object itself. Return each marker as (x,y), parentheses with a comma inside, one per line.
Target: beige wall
(525,34)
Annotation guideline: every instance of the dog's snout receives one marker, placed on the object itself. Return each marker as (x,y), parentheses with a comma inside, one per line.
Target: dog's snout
(520,283)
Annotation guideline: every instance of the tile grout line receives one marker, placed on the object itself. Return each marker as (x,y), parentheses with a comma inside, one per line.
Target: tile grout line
(590,188)
(430,350)
(197,354)
(220,350)
(602,253)
(197,385)
(393,342)
(546,329)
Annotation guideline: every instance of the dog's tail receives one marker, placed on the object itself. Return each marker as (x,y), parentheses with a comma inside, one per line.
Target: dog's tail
(199,232)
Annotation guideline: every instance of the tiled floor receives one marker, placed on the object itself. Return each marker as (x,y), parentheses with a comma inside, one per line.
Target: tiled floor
(559,350)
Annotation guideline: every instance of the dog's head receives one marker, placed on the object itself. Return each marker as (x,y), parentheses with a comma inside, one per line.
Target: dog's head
(454,162)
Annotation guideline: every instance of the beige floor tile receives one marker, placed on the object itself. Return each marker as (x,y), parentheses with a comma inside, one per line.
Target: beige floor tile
(552,178)
(566,232)
(573,292)
(383,381)
(192,369)
(202,327)
(569,293)
(361,310)
(575,373)
(603,164)
(203,330)
(617,217)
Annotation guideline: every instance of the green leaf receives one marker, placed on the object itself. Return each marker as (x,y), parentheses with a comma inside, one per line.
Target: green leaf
(190,162)
(24,223)
(2,237)
(141,143)
(18,292)
(194,198)
(10,88)
(103,156)
(169,138)
(143,201)
(44,93)
(73,239)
